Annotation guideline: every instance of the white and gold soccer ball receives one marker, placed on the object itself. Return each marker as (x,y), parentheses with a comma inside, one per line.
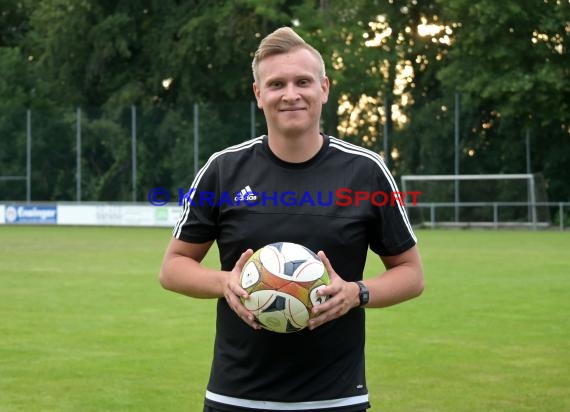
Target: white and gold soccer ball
(282,280)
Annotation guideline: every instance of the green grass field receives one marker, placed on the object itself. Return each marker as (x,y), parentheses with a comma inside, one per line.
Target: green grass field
(85,325)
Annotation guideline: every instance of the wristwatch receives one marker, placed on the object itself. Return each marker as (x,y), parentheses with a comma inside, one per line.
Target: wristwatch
(363,294)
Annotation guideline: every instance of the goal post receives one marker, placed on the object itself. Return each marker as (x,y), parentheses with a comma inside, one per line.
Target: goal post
(479,199)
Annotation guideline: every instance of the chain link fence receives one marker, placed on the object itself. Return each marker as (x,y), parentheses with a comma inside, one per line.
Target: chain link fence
(96,154)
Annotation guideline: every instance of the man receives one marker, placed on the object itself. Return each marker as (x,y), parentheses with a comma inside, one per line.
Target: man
(320,368)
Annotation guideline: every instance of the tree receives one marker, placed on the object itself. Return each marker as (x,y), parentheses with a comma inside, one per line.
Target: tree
(510,62)
(16,90)
(376,54)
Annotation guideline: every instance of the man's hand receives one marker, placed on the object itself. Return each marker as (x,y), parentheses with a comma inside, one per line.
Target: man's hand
(343,296)
(233,291)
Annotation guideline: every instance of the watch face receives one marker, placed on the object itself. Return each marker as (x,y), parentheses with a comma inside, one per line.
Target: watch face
(364,295)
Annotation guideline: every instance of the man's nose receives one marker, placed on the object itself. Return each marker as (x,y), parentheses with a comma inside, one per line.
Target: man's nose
(291,92)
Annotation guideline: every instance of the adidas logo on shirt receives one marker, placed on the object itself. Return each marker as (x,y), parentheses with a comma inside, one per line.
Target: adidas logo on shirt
(245,194)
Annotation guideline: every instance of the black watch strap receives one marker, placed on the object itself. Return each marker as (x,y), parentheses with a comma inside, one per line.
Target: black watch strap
(363,294)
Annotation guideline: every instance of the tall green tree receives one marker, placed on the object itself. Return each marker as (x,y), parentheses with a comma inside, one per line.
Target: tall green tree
(508,60)
(16,94)
(383,72)
(510,63)
(163,57)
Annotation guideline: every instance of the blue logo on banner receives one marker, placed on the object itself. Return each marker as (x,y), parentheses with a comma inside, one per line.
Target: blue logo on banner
(31,214)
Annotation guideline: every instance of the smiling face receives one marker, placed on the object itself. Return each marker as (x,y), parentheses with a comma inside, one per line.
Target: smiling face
(291,91)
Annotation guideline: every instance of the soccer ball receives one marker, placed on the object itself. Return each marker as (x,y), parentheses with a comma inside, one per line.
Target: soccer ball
(282,280)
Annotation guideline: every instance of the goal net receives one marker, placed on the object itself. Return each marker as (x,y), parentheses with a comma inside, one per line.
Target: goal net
(478,200)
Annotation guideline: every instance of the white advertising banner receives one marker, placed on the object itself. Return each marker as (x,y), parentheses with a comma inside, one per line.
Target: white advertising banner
(117,215)
(77,214)
(91,214)
(28,213)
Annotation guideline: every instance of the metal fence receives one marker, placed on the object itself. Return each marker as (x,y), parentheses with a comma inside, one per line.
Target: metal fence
(120,154)
(114,154)
(495,215)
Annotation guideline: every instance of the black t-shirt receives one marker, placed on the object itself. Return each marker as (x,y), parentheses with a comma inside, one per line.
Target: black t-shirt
(342,201)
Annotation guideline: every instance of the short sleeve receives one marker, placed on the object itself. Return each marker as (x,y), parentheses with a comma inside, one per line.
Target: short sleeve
(390,232)
(198,218)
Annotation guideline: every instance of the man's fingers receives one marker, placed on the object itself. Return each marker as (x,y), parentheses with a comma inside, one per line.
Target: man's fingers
(332,288)
(236,293)
(242,259)
(233,283)
(238,307)
(328,266)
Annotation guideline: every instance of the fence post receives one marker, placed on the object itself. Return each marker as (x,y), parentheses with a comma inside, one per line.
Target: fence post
(134,151)
(28,156)
(196,138)
(533,201)
(495,215)
(388,114)
(456,132)
(78,155)
(561,215)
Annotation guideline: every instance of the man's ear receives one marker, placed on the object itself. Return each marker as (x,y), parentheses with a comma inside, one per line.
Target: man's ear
(325,86)
(257,93)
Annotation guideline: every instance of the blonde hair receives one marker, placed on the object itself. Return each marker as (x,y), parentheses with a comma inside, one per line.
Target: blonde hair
(283,40)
